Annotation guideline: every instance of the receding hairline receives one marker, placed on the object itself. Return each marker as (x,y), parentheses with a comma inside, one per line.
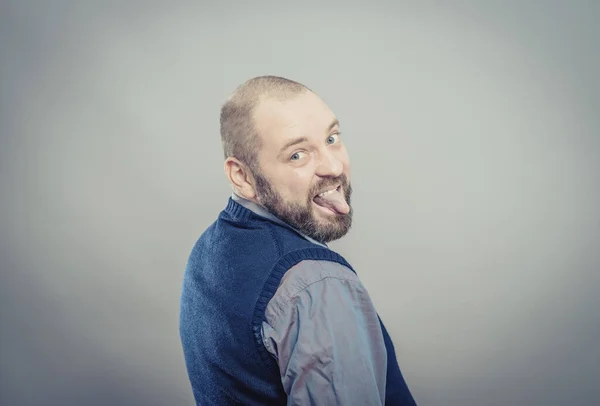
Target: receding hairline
(238,125)
(262,88)
(242,103)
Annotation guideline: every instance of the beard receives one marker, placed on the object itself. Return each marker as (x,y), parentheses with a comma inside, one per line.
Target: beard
(301,215)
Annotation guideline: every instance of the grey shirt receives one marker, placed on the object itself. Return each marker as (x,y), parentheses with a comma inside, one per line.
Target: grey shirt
(323,330)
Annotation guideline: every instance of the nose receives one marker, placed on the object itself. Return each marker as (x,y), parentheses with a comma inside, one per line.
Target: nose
(329,165)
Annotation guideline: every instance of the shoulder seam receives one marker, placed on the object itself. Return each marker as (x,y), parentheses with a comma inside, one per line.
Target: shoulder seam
(274,237)
(343,268)
(296,294)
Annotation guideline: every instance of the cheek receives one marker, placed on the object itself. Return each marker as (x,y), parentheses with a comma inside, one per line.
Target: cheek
(300,183)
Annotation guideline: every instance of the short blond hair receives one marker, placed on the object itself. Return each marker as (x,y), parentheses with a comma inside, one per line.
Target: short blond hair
(238,131)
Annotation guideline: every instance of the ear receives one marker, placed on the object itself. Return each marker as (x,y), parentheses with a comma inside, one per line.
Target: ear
(240,178)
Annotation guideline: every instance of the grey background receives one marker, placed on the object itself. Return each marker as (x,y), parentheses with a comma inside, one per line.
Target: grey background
(473,130)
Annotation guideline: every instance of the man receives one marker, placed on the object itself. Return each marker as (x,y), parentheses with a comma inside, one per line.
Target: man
(269,314)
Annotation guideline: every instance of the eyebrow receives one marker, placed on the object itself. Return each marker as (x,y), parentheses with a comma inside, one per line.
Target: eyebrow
(300,140)
(333,124)
(292,143)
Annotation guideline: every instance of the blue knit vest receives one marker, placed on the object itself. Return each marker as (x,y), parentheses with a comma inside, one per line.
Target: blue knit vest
(233,271)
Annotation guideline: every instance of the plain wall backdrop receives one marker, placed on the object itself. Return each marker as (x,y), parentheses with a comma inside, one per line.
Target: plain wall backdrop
(474,134)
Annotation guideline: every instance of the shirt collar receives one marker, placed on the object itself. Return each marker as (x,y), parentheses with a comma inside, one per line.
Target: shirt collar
(261,211)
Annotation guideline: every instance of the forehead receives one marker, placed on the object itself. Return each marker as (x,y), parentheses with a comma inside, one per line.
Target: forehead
(304,115)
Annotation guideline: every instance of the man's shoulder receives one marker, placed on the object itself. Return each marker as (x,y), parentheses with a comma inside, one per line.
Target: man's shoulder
(309,271)
(307,275)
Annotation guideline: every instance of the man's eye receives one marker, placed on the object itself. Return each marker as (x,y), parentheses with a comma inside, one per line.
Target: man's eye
(333,138)
(296,156)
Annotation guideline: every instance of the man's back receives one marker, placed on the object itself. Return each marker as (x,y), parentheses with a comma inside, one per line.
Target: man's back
(233,273)
(230,276)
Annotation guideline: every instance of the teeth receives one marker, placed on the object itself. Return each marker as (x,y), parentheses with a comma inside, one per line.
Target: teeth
(327,192)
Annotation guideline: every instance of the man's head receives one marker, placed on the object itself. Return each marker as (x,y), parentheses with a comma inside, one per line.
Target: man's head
(282,150)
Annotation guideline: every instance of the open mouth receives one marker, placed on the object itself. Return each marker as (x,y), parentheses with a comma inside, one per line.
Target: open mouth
(332,200)
(328,192)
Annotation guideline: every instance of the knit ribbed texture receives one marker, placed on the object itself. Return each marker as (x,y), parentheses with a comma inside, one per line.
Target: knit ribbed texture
(231,275)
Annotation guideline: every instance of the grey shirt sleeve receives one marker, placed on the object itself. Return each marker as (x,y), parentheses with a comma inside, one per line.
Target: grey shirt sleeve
(323,329)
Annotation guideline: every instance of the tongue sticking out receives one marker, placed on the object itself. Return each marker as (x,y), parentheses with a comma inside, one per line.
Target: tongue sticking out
(334,201)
